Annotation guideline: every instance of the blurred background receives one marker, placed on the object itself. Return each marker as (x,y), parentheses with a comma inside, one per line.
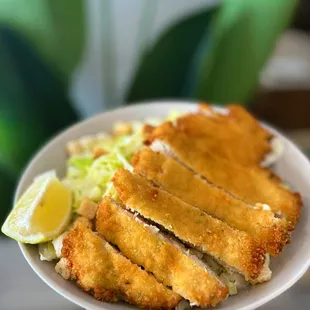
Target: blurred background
(62,61)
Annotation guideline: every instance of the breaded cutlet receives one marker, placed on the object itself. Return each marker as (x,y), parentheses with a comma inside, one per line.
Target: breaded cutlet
(251,184)
(167,260)
(237,114)
(233,248)
(226,137)
(193,189)
(102,271)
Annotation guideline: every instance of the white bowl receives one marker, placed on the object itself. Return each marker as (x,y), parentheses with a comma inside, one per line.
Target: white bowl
(293,167)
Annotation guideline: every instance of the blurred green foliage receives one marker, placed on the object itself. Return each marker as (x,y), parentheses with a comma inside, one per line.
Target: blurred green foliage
(56,28)
(164,69)
(215,55)
(41,42)
(33,107)
(244,34)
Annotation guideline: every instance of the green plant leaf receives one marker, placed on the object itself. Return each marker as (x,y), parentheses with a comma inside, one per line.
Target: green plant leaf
(163,69)
(33,106)
(29,88)
(18,140)
(215,55)
(244,34)
(54,27)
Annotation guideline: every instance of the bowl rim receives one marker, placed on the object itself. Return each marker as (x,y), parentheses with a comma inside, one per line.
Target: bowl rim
(145,104)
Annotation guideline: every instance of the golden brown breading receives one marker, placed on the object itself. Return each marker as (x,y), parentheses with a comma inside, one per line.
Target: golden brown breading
(242,142)
(232,247)
(168,261)
(237,114)
(100,270)
(190,187)
(147,131)
(251,184)
(246,120)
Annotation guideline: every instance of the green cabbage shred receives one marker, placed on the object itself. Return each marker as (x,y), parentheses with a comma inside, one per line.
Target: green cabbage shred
(89,177)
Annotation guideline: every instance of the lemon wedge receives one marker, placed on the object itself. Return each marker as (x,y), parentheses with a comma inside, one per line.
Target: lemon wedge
(42,213)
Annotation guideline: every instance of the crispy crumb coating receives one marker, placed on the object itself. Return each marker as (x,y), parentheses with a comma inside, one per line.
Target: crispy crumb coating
(147,130)
(82,220)
(251,184)
(232,247)
(168,261)
(103,272)
(248,124)
(243,141)
(190,187)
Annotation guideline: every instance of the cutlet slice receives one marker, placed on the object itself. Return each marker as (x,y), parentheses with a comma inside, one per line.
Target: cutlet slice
(250,127)
(232,248)
(235,113)
(168,261)
(102,271)
(190,187)
(226,137)
(246,120)
(251,184)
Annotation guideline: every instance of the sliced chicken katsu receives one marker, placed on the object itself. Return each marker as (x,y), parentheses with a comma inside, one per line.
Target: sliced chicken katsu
(237,114)
(251,184)
(226,137)
(102,271)
(247,121)
(168,261)
(233,248)
(190,187)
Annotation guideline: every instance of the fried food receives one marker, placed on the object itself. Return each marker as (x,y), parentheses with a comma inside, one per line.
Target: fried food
(147,131)
(234,248)
(190,187)
(237,136)
(168,261)
(251,184)
(103,272)
(235,113)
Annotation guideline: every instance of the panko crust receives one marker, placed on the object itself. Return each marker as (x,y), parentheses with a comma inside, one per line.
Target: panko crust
(168,261)
(232,247)
(235,135)
(272,232)
(252,184)
(103,272)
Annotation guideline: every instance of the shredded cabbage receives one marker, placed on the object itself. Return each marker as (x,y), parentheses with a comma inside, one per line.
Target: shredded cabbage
(90,177)
(78,165)
(232,288)
(233,280)
(236,279)
(215,266)
(47,251)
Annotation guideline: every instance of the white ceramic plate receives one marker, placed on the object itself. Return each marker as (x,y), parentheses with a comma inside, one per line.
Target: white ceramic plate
(293,167)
